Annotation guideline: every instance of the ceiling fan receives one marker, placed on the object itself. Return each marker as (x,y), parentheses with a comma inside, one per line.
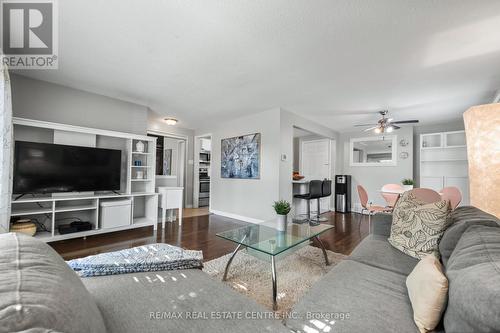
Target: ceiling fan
(385,125)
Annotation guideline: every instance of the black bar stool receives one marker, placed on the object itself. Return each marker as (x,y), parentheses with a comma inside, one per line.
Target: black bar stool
(326,191)
(315,192)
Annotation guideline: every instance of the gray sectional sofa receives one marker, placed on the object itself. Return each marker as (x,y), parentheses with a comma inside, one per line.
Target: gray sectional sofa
(364,293)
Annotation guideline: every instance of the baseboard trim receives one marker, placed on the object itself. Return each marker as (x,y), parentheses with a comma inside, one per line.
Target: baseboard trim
(236,216)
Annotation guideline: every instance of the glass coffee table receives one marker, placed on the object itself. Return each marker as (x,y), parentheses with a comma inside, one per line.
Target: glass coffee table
(268,240)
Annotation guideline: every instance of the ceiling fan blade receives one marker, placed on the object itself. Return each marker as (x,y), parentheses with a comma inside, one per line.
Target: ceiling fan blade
(395,127)
(369,129)
(405,122)
(362,125)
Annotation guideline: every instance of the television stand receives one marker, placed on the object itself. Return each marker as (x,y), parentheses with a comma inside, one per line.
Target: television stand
(53,211)
(137,182)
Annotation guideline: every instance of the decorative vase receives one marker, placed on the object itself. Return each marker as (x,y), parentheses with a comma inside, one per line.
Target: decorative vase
(281,222)
(23,226)
(408,187)
(139,147)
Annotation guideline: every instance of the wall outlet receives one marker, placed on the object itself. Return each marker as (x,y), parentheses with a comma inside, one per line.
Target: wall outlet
(284,157)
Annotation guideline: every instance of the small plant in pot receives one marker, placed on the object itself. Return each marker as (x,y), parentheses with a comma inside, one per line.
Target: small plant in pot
(282,208)
(408,184)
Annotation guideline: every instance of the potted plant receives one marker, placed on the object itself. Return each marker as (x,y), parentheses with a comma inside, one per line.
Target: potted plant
(282,208)
(408,184)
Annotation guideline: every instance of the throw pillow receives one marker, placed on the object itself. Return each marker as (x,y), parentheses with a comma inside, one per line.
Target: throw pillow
(417,227)
(428,289)
(40,293)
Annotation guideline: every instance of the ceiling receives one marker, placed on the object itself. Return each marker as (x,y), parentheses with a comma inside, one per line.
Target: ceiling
(335,62)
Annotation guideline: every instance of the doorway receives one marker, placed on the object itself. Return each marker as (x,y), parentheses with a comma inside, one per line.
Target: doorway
(202,172)
(313,158)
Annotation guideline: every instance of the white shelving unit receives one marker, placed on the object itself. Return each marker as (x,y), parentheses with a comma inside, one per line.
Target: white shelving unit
(53,210)
(443,162)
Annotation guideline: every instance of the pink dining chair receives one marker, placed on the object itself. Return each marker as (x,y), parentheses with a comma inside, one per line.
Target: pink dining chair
(391,198)
(426,195)
(453,195)
(368,206)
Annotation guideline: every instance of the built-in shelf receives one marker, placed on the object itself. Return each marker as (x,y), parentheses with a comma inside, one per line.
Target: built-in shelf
(442,148)
(74,208)
(30,211)
(65,208)
(445,160)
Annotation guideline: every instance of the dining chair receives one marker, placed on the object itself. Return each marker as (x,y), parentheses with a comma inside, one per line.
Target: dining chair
(453,195)
(391,198)
(368,206)
(426,195)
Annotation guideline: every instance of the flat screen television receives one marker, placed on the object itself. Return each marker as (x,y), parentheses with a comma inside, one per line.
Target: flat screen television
(51,168)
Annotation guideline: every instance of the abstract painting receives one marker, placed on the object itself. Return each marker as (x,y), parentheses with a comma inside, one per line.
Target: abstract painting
(240,157)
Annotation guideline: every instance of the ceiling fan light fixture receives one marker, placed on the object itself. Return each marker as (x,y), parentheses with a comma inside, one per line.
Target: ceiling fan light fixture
(378,130)
(390,129)
(171,121)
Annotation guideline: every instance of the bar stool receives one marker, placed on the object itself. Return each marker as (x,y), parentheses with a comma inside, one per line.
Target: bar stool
(315,192)
(326,191)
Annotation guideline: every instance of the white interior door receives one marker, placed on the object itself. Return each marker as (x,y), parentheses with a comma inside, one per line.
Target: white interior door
(315,163)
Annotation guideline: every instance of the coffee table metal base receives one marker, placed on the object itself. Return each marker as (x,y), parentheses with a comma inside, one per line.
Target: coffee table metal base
(273,268)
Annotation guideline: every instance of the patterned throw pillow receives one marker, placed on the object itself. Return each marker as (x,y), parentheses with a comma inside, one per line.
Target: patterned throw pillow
(417,227)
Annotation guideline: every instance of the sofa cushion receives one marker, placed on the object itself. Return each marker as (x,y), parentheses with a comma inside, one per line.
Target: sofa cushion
(39,291)
(354,297)
(473,272)
(417,227)
(461,219)
(374,250)
(175,301)
(428,292)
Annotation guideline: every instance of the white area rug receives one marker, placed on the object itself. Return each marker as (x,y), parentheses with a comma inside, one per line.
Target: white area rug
(296,273)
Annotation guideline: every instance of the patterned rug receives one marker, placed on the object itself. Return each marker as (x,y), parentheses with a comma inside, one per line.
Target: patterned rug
(296,274)
(146,258)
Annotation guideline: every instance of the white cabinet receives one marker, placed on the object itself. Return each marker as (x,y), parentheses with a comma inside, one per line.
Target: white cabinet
(443,162)
(435,183)
(454,139)
(462,183)
(206,144)
(432,140)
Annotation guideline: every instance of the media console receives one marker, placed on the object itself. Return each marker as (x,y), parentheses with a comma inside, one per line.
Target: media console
(143,213)
(63,208)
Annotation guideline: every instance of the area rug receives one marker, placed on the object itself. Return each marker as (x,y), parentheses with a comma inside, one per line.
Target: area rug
(296,274)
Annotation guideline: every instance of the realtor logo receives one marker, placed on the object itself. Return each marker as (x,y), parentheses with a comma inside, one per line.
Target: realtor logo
(29,34)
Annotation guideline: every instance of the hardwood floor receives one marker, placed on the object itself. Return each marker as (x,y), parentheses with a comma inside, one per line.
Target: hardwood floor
(199,233)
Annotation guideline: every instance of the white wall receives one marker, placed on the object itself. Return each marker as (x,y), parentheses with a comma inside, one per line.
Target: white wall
(372,178)
(456,125)
(157,124)
(248,199)
(46,101)
(252,199)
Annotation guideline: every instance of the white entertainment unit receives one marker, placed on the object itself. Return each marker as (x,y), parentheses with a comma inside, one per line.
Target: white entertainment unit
(63,208)
(443,162)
